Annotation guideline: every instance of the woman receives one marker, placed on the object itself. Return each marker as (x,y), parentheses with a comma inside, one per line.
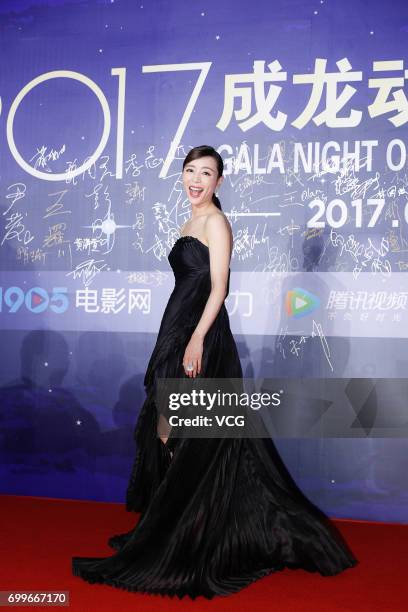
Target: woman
(216,513)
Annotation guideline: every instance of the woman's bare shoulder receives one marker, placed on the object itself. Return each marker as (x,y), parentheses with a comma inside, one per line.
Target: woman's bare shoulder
(214,219)
(217,225)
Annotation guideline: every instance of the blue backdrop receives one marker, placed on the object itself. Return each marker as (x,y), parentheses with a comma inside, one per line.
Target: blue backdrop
(100,101)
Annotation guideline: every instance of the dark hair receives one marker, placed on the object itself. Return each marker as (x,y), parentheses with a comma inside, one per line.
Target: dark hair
(204,151)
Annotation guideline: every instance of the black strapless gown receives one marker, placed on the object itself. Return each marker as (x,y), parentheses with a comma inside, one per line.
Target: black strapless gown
(216,513)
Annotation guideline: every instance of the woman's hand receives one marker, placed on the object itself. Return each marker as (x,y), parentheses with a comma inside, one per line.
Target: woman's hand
(193,355)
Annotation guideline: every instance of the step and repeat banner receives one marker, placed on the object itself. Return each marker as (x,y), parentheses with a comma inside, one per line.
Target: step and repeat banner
(100,102)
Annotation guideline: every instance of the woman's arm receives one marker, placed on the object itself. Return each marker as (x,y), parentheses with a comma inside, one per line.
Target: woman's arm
(219,237)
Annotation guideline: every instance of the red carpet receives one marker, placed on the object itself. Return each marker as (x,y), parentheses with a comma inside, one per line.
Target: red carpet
(40,535)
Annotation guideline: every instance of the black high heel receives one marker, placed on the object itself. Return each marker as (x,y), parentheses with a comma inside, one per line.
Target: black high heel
(173,443)
(170,445)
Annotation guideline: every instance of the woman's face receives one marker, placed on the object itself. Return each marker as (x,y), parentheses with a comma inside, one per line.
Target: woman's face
(200,179)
